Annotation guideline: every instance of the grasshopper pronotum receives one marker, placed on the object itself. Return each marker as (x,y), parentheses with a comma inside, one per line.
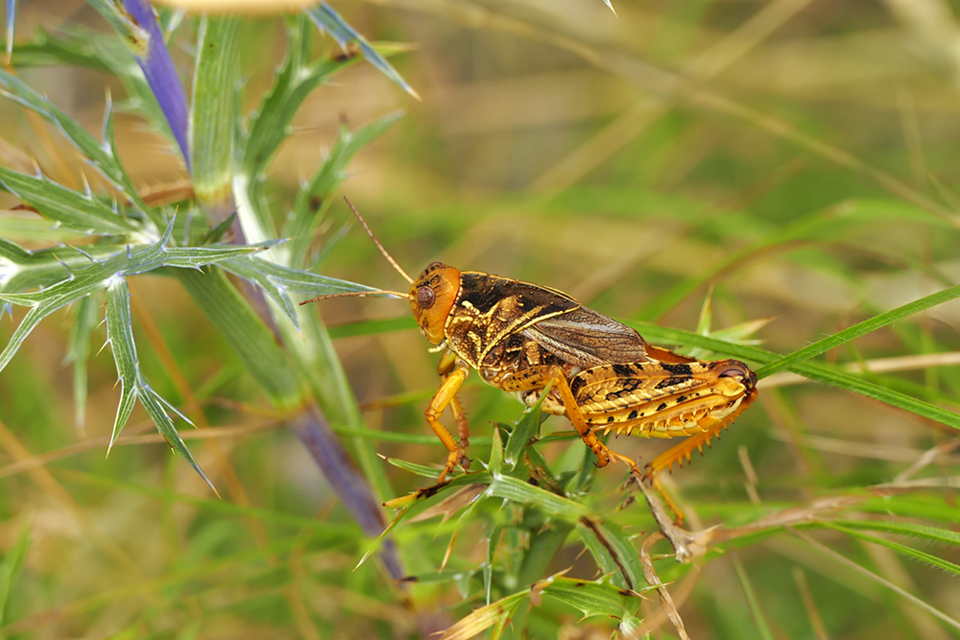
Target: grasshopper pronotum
(602,375)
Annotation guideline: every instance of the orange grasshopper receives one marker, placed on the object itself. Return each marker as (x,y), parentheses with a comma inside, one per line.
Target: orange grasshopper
(602,375)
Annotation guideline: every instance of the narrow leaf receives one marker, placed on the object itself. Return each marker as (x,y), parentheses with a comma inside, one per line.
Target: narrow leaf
(78,350)
(135,36)
(814,371)
(902,549)
(101,155)
(11,567)
(859,329)
(328,20)
(70,208)
(213,111)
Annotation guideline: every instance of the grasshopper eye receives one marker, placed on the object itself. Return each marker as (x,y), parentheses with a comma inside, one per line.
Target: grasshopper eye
(741,373)
(425,297)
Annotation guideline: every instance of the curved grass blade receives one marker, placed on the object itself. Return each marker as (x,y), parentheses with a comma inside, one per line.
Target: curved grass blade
(902,549)
(936,535)
(859,329)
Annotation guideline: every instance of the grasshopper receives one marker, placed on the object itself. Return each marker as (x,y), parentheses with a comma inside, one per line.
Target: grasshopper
(539,344)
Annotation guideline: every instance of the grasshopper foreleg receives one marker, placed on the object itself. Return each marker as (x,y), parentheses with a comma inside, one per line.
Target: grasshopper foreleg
(448,364)
(446,395)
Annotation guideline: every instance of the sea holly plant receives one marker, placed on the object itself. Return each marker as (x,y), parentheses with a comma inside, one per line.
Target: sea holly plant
(86,244)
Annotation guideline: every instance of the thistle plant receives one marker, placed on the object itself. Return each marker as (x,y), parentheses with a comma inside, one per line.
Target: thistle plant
(99,240)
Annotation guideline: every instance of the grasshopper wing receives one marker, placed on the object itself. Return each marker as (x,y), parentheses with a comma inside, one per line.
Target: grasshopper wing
(587,339)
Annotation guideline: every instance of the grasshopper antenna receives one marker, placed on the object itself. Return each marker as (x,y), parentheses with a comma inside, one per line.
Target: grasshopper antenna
(377,242)
(359,294)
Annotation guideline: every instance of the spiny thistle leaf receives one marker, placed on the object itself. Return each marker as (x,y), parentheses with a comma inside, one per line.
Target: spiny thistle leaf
(313,198)
(279,282)
(102,156)
(296,77)
(328,20)
(72,209)
(136,37)
(133,386)
(99,275)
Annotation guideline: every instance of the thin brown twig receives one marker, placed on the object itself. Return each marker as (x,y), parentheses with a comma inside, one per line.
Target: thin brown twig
(654,580)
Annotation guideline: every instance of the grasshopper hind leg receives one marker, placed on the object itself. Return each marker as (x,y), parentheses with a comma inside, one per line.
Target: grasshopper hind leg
(682,452)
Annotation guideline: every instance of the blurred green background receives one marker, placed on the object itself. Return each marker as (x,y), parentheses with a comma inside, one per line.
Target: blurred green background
(791,160)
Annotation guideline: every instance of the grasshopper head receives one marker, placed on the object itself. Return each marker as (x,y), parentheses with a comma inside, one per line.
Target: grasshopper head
(432,296)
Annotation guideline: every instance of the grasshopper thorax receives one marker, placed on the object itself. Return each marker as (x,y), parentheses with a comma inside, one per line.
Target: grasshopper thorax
(432,296)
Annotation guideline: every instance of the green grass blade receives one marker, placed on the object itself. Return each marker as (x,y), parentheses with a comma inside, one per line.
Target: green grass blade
(902,549)
(859,329)
(935,535)
(372,327)
(11,568)
(762,625)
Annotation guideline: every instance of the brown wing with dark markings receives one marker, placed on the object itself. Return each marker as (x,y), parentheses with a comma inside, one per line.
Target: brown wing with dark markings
(587,339)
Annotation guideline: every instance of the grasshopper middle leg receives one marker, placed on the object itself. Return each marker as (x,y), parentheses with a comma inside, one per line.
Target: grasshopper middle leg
(539,377)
